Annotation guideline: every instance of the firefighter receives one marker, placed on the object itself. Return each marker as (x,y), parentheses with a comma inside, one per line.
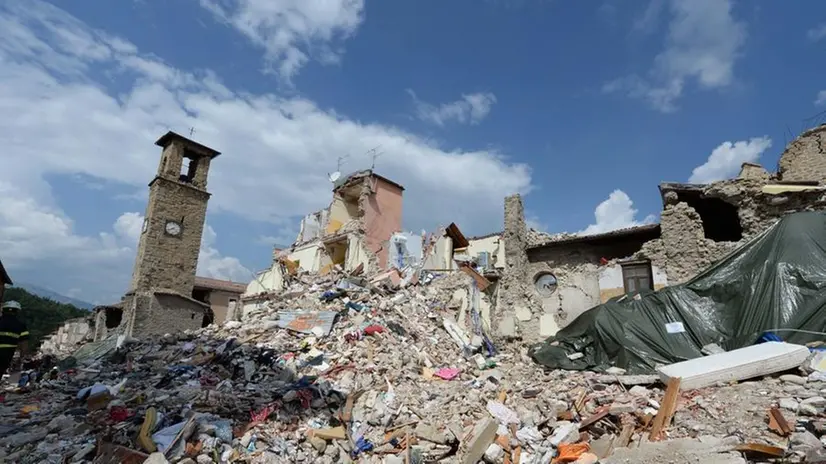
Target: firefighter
(13,335)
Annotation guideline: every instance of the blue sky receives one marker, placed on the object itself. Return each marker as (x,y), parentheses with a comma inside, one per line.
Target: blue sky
(584,107)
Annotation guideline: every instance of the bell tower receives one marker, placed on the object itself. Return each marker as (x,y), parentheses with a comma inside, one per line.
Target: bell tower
(174,221)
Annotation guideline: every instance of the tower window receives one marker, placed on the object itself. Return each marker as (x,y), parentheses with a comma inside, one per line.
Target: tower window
(185,169)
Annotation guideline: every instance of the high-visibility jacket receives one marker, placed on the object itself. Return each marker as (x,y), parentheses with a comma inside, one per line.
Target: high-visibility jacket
(12,331)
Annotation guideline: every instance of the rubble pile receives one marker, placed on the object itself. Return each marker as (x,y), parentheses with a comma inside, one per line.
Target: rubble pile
(337,369)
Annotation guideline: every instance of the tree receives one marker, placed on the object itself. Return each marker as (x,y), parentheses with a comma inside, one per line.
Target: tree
(43,316)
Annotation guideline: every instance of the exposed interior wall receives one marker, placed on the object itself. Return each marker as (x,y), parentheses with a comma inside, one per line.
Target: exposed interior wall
(308,257)
(494,245)
(266,281)
(356,253)
(334,253)
(313,226)
(342,211)
(382,217)
(440,257)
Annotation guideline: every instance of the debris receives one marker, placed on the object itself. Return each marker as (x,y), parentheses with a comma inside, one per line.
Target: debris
(778,423)
(570,452)
(744,363)
(447,373)
(306,322)
(667,409)
(335,433)
(484,432)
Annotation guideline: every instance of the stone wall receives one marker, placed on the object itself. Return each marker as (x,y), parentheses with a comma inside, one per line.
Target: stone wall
(162,313)
(518,310)
(683,249)
(577,267)
(67,337)
(754,172)
(805,157)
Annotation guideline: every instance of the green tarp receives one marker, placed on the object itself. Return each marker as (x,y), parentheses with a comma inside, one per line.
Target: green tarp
(776,281)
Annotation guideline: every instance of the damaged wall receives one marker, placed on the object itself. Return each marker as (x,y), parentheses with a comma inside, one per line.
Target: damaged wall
(493,244)
(440,255)
(582,280)
(160,313)
(691,236)
(518,311)
(805,157)
(67,337)
(382,217)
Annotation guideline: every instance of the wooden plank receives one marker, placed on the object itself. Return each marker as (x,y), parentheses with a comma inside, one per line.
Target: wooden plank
(481,281)
(761,450)
(667,409)
(598,416)
(624,437)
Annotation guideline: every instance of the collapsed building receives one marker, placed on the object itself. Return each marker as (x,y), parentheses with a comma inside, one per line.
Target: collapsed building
(550,281)
(354,231)
(361,233)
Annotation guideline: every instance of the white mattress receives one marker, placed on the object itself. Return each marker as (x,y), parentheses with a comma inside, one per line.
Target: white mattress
(744,363)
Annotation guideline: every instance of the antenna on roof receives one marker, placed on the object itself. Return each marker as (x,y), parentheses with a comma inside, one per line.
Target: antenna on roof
(191,131)
(340,161)
(374,153)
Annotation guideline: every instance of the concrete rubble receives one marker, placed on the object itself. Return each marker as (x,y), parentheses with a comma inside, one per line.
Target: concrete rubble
(399,379)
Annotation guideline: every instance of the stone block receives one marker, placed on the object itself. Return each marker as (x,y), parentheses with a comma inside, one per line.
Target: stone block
(523,314)
(547,325)
(484,432)
(507,327)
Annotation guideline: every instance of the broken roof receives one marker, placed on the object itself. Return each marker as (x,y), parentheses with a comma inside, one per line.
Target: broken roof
(353,176)
(459,240)
(4,276)
(646,231)
(222,285)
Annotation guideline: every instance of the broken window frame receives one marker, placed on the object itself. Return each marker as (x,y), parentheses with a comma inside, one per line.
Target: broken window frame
(545,293)
(638,272)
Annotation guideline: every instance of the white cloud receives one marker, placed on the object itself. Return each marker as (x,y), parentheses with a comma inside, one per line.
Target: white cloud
(212,264)
(129,226)
(616,212)
(57,118)
(647,21)
(821,97)
(470,109)
(704,41)
(725,161)
(816,33)
(290,31)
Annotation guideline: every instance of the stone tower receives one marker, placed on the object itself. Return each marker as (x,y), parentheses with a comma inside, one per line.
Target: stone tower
(174,222)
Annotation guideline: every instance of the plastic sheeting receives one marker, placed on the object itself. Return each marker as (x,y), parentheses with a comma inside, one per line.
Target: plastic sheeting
(775,282)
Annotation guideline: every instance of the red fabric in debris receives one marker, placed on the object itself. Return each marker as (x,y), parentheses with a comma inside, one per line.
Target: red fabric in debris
(373,329)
